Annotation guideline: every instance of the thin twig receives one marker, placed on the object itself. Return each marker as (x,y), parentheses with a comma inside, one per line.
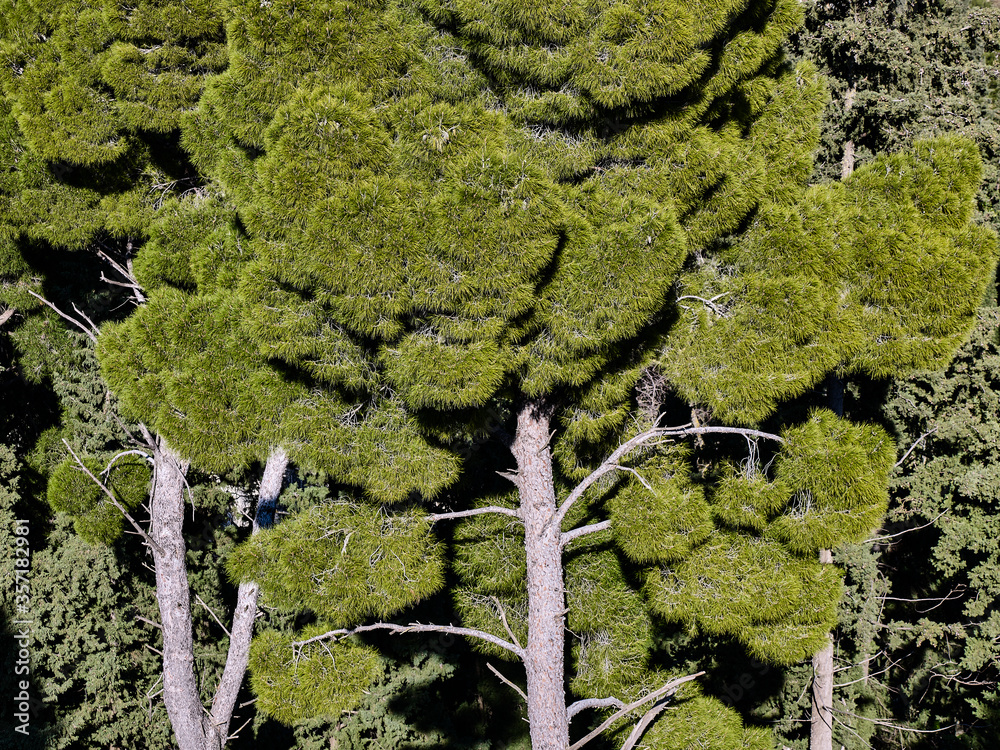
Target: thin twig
(506,626)
(236,734)
(414,627)
(5,315)
(904,531)
(136,526)
(90,334)
(214,616)
(149,622)
(916,442)
(506,681)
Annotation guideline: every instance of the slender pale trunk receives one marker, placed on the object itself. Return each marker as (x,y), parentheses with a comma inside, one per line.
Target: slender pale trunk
(180,687)
(544,652)
(245,612)
(194,727)
(821,731)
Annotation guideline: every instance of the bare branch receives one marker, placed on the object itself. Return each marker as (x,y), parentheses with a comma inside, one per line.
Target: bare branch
(6,314)
(709,303)
(913,447)
(611,463)
(904,531)
(435,517)
(413,627)
(506,681)
(214,616)
(569,536)
(669,689)
(91,334)
(126,271)
(506,625)
(236,734)
(149,622)
(122,454)
(583,705)
(640,729)
(114,501)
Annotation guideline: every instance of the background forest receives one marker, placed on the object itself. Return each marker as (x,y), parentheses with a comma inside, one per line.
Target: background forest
(121,214)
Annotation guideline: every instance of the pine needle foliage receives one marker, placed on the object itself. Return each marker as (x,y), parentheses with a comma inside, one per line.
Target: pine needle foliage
(408,213)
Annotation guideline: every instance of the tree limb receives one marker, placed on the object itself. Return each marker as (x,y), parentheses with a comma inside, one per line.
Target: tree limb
(91,334)
(916,442)
(413,627)
(669,689)
(6,314)
(148,539)
(569,536)
(611,463)
(639,729)
(583,705)
(435,517)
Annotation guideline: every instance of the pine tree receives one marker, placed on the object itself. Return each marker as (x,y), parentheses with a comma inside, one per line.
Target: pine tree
(408,220)
(446,215)
(897,71)
(93,98)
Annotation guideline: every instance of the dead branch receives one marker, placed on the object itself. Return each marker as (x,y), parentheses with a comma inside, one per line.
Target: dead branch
(569,536)
(611,463)
(506,625)
(669,689)
(583,705)
(506,681)
(916,442)
(640,728)
(90,332)
(214,616)
(148,539)
(414,627)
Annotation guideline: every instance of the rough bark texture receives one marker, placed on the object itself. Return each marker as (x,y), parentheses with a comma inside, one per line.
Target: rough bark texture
(194,727)
(821,734)
(245,612)
(180,687)
(544,651)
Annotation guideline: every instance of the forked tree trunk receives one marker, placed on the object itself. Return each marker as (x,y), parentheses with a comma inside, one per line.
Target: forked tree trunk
(544,651)
(194,727)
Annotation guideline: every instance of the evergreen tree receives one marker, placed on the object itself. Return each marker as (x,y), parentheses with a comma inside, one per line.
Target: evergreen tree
(445,215)
(897,71)
(409,217)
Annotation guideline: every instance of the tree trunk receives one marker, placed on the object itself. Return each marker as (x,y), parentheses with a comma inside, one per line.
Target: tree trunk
(544,651)
(245,612)
(194,727)
(821,734)
(180,688)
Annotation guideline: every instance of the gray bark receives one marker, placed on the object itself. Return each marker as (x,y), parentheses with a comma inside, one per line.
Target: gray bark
(544,652)
(245,612)
(821,733)
(194,727)
(180,687)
